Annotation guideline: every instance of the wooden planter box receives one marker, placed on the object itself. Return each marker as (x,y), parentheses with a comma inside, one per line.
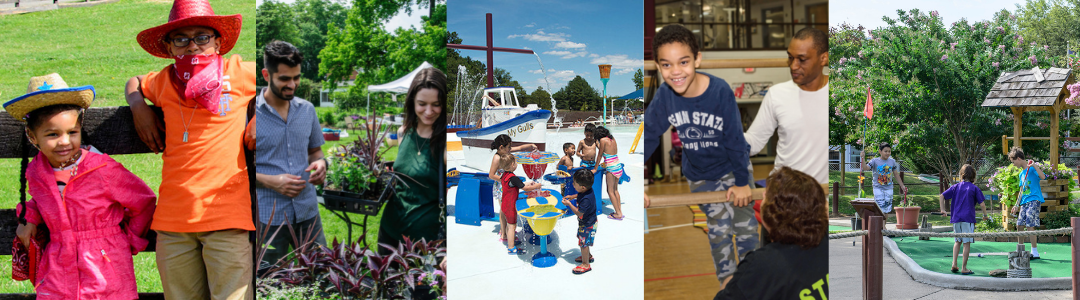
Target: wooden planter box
(352,202)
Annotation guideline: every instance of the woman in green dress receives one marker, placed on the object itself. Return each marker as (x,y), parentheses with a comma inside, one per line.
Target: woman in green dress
(416,211)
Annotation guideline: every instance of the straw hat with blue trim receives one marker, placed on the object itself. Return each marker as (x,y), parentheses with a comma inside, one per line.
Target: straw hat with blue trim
(48,90)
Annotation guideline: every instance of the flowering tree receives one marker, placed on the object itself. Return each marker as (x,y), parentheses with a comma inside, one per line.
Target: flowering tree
(928,83)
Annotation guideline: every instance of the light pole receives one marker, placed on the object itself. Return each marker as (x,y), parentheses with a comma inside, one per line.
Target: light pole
(605,72)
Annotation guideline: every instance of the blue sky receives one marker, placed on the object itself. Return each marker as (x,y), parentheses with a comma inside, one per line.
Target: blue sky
(869,12)
(571,37)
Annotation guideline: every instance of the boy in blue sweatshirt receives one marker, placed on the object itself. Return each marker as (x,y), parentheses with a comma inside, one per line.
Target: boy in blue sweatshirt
(715,155)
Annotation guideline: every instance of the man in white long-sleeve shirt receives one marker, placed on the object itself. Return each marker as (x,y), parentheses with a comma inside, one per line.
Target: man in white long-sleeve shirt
(798,109)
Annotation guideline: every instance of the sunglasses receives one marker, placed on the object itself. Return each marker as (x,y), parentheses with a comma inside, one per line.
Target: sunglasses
(185,41)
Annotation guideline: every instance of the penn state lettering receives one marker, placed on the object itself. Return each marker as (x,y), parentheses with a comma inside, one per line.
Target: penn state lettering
(698,118)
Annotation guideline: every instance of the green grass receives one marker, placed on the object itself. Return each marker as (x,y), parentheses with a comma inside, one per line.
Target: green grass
(934,254)
(94,46)
(852,179)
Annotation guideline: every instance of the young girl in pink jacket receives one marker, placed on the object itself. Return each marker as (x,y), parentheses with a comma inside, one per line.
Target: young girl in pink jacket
(96,211)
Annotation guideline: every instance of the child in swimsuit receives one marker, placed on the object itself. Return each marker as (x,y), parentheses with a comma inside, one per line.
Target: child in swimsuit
(567,162)
(615,175)
(587,148)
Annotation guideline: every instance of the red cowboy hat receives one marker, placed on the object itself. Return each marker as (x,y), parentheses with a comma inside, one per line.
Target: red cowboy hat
(191,13)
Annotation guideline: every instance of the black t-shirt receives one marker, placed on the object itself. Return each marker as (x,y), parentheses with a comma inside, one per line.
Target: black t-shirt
(586,202)
(514,181)
(781,271)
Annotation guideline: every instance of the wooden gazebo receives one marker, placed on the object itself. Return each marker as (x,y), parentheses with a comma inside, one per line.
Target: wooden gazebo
(1032,90)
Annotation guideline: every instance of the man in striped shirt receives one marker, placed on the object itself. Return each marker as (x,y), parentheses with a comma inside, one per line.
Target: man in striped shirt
(288,156)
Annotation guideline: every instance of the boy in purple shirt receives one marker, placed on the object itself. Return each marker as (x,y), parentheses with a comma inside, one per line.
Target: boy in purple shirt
(964,196)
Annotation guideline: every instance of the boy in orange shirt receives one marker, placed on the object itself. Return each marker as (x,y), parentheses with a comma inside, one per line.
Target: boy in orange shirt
(203,224)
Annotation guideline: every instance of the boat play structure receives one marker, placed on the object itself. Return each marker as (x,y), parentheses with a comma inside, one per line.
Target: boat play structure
(524,125)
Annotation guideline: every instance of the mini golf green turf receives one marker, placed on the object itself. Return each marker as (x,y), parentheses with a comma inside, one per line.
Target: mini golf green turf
(934,254)
(837,228)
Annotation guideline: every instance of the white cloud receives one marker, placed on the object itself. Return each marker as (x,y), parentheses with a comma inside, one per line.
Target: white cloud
(531,25)
(620,64)
(541,36)
(566,54)
(570,45)
(560,53)
(564,75)
(594,55)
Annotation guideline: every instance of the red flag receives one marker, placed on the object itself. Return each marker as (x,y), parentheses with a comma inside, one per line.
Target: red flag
(868,111)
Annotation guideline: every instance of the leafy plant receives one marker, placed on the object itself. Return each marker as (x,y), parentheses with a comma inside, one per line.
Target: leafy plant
(993,224)
(356,272)
(305,240)
(328,118)
(1060,219)
(357,167)
(347,173)
(1006,180)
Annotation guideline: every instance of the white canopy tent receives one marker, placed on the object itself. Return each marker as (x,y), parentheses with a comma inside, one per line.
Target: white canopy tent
(398,86)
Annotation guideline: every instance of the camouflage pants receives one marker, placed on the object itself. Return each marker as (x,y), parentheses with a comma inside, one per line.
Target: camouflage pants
(725,220)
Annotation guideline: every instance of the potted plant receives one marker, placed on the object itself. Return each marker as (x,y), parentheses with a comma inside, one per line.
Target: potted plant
(907,215)
(1006,182)
(357,180)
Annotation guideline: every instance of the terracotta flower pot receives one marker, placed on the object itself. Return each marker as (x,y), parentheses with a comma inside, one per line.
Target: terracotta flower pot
(907,217)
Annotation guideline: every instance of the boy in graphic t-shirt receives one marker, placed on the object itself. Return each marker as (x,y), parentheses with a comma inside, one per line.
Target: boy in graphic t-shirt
(715,153)
(885,171)
(203,217)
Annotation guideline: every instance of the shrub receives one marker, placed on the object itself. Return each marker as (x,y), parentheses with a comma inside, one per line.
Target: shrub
(1061,219)
(329,118)
(308,90)
(356,272)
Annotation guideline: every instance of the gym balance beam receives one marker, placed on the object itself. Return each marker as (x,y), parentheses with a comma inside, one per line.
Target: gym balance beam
(678,194)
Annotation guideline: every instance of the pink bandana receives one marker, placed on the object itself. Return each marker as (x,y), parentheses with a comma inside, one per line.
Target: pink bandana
(201,75)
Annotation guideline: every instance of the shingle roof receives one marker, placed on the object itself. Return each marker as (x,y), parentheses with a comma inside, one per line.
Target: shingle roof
(1019,88)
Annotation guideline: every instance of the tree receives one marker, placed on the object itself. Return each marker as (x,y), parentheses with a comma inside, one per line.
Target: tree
(274,21)
(578,95)
(928,83)
(377,56)
(541,98)
(639,80)
(303,24)
(1054,23)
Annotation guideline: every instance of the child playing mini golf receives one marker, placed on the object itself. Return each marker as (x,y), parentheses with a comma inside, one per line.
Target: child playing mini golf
(97,211)
(501,145)
(615,175)
(716,156)
(586,213)
(1030,198)
(567,162)
(885,170)
(964,196)
(508,213)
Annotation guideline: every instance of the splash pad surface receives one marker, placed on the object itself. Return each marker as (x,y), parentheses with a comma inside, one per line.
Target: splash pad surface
(481,260)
